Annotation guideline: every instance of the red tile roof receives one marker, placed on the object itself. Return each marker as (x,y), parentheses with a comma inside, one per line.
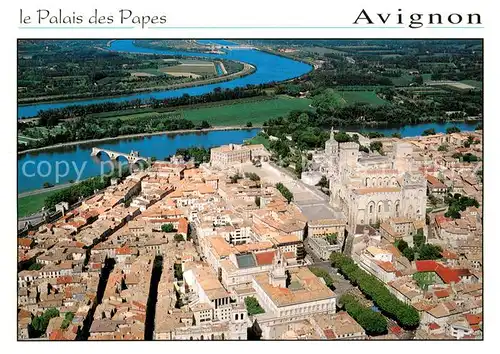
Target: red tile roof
(435,182)
(183,226)
(24,242)
(64,279)
(57,335)
(264,258)
(387,266)
(442,293)
(448,275)
(395,329)
(449,255)
(473,319)
(329,334)
(123,250)
(434,325)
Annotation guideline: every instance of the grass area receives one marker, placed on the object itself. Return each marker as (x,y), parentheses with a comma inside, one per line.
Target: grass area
(24,139)
(236,112)
(33,203)
(154,72)
(369,97)
(241,113)
(259,139)
(426,77)
(200,69)
(403,80)
(322,50)
(475,83)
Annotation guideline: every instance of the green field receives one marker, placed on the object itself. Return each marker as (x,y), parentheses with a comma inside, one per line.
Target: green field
(241,113)
(403,80)
(31,204)
(227,113)
(368,97)
(259,139)
(475,83)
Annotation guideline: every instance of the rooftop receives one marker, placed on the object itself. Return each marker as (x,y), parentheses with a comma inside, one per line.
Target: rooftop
(307,288)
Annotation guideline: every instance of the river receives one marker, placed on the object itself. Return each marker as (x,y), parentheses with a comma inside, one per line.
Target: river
(270,68)
(34,169)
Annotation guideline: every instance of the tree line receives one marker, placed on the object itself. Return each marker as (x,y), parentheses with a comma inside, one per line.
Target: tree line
(406,316)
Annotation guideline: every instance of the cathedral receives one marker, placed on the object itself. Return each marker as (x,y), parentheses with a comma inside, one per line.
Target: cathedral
(370,188)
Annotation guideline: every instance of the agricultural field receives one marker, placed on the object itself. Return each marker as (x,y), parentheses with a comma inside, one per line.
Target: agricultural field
(475,83)
(190,67)
(228,113)
(403,80)
(322,50)
(368,97)
(241,113)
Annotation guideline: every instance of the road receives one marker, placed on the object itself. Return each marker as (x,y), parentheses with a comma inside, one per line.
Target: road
(33,219)
(341,284)
(43,190)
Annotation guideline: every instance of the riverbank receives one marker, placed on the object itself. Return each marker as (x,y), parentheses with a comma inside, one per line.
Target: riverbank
(247,70)
(140,135)
(269,69)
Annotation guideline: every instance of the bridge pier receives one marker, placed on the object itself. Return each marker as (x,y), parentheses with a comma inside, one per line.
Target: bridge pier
(132,158)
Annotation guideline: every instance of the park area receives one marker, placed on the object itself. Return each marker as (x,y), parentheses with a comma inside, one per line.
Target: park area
(32,203)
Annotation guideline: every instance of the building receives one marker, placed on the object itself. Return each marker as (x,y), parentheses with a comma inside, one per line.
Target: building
(228,155)
(373,188)
(322,248)
(304,296)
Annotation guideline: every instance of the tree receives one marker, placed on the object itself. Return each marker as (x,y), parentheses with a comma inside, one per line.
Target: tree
(327,101)
(309,156)
(178,238)
(167,227)
(178,271)
(409,253)
(332,238)
(406,316)
(452,130)
(443,147)
(35,266)
(257,201)
(39,324)
(428,251)
(427,132)
(402,245)
(434,200)
(253,306)
(252,176)
(47,185)
(323,182)
(396,135)
(376,146)
(235,178)
(419,238)
(68,317)
(372,322)
(321,273)
(285,192)
(342,137)
(249,124)
(204,124)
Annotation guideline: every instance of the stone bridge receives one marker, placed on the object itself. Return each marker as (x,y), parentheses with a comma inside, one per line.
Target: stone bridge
(132,158)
